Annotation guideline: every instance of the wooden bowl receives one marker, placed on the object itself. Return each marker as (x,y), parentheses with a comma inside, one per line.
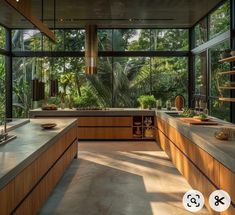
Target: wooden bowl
(48,125)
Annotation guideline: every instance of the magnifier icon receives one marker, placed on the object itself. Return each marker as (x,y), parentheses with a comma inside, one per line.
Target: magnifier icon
(193,200)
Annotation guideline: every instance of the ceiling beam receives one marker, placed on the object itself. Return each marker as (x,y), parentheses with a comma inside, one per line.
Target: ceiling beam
(24,8)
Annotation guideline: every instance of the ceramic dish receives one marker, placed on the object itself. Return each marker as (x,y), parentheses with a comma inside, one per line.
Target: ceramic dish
(48,125)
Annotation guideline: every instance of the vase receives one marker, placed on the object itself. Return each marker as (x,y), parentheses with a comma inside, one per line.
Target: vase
(179,102)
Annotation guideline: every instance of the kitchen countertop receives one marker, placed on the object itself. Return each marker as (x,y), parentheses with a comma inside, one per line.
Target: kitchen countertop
(203,136)
(30,142)
(73,112)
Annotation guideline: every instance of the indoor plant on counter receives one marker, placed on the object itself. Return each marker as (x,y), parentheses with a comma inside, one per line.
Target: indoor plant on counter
(147,101)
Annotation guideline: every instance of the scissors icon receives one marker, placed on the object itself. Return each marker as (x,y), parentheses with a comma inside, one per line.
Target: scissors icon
(219,200)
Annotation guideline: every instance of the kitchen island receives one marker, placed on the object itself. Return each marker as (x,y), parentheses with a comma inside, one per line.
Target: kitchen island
(207,163)
(32,164)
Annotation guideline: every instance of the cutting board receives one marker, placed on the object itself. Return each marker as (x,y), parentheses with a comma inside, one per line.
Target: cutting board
(193,121)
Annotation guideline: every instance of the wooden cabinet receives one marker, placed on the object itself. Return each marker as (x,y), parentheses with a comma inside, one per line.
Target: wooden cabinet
(104,121)
(26,193)
(201,170)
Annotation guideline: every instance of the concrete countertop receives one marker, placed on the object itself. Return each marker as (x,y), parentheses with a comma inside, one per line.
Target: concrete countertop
(74,113)
(31,141)
(203,136)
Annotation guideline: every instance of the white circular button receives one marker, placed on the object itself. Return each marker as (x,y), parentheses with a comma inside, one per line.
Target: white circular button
(193,200)
(219,200)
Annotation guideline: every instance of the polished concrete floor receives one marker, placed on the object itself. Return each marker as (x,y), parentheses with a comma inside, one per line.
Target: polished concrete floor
(119,178)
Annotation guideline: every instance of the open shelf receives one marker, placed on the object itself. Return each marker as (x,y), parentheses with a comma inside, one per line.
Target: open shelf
(227,73)
(227,88)
(227,99)
(229,59)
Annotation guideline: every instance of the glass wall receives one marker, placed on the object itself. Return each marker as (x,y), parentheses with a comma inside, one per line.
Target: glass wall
(207,67)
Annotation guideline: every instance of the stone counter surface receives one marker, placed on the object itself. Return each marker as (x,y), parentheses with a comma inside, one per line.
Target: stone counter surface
(31,141)
(75,113)
(203,136)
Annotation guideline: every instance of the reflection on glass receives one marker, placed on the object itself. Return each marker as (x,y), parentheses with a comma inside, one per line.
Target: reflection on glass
(200,74)
(2,88)
(2,37)
(217,80)
(219,109)
(26,40)
(165,40)
(169,77)
(200,32)
(219,20)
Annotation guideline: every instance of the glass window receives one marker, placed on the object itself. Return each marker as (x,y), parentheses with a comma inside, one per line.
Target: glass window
(220,109)
(104,39)
(58,45)
(2,88)
(23,71)
(26,40)
(2,37)
(165,40)
(217,80)
(219,20)
(74,40)
(131,79)
(200,33)
(169,77)
(200,74)
(131,39)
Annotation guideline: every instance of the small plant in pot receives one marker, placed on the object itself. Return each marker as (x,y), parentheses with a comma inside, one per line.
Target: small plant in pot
(147,101)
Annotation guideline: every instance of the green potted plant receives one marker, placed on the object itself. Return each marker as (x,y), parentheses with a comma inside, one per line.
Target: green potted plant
(147,101)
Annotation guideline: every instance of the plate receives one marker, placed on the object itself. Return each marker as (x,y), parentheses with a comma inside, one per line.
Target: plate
(48,125)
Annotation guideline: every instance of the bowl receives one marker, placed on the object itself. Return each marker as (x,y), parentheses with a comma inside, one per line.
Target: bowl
(48,125)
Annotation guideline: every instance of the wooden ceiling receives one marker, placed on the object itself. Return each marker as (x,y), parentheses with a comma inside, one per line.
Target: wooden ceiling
(112,13)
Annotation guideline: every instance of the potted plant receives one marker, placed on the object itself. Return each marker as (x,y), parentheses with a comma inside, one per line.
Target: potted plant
(147,101)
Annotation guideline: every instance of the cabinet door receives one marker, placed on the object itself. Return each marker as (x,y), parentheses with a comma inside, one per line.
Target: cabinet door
(104,133)
(104,121)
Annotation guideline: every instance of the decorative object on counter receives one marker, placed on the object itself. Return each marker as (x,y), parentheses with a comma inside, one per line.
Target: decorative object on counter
(91,108)
(179,102)
(202,117)
(195,121)
(232,53)
(48,125)
(187,112)
(168,105)
(147,101)
(49,107)
(159,104)
(226,53)
(225,133)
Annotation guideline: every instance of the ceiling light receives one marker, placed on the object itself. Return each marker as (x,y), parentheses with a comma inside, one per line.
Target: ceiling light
(17,0)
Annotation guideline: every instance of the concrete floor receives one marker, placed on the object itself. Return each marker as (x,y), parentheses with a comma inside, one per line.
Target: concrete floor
(119,178)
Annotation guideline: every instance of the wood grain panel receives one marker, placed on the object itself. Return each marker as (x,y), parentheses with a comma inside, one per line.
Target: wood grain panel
(7,199)
(104,133)
(227,181)
(104,121)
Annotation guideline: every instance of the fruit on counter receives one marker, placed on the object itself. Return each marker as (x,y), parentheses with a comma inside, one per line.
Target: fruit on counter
(49,107)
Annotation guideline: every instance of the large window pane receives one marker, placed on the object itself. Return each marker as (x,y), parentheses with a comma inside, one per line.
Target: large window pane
(74,40)
(200,33)
(217,80)
(26,40)
(23,71)
(104,39)
(58,45)
(131,39)
(169,77)
(219,20)
(2,88)
(2,37)
(200,74)
(131,79)
(165,40)
(220,110)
